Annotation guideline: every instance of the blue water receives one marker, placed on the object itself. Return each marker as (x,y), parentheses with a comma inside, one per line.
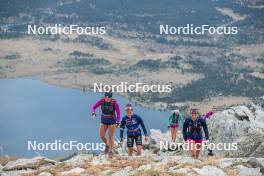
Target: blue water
(33,110)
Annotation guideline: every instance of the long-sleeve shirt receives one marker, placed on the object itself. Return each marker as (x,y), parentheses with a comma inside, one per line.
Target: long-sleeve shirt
(115,104)
(192,129)
(132,124)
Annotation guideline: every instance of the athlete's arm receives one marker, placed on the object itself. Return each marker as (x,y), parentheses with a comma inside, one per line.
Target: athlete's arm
(122,128)
(95,106)
(180,117)
(184,130)
(117,109)
(206,133)
(140,121)
(170,118)
(205,116)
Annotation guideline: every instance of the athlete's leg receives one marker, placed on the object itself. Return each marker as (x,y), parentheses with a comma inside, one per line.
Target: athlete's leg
(172,133)
(103,129)
(130,143)
(197,149)
(111,136)
(176,133)
(130,151)
(139,149)
(191,145)
(139,144)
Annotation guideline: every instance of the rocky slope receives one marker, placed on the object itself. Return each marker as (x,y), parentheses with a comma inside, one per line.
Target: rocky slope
(241,124)
(162,163)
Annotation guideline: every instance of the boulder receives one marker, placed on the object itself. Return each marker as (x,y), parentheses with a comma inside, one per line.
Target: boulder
(210,170)
(242,113)
(189,160)
(253,162)
(45,174)
(124,172)
(242,125)
(101,159)
(33,163)
(144,167)
(245,171)
(80,159)
(228,162)
(74,171)
(185,171)
(19,172)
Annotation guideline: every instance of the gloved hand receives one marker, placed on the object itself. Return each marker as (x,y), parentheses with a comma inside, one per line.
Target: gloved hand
(210,153)
(93,115)
(206,142)
(120,140)
(117,125)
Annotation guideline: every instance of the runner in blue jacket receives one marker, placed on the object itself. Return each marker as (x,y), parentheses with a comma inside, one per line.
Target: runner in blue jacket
(132,122)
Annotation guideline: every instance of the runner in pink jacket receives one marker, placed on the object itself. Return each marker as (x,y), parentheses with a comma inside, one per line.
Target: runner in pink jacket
(110,119)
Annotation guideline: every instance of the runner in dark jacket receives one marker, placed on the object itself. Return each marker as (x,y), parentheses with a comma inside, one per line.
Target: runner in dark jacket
(192,132)
(132,122)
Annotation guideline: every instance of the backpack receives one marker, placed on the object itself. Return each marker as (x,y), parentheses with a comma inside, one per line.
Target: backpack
(108,108)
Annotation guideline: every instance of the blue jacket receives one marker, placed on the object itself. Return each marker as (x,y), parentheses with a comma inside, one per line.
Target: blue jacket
(193,129)
(132,124)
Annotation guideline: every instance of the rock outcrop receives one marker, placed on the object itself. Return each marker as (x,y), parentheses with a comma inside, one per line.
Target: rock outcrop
(243,125)
(33,163)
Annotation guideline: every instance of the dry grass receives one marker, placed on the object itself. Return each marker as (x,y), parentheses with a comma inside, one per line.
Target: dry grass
(219,101)
(166,166)
(152,172)
(213,161)
(4,160)
(231,172)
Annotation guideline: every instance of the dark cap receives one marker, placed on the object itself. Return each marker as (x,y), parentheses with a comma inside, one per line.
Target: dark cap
(194,111)
(108,94)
